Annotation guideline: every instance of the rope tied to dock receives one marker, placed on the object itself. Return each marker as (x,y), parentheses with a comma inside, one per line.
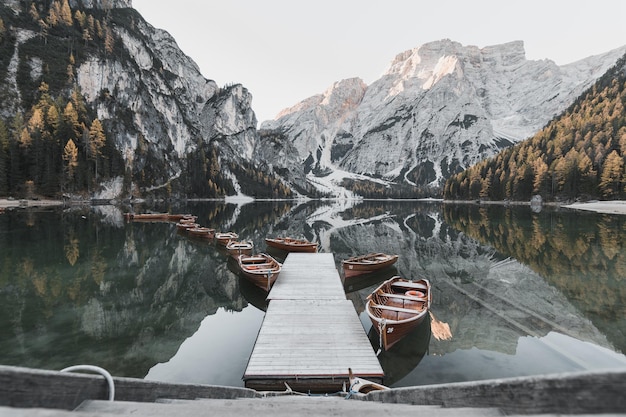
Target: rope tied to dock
(98,370)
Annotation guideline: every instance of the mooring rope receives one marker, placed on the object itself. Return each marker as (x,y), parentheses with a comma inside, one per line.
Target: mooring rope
(98,370)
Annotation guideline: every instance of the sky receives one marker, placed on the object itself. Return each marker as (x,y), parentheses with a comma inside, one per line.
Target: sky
(284,51)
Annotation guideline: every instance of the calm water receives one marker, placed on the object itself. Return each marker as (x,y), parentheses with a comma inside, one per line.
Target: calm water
(523,293)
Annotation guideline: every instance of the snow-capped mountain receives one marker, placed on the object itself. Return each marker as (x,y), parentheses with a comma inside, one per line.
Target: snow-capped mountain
(438,108)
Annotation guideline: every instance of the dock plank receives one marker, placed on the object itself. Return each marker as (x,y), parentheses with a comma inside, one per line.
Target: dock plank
(308,276)
(310,332)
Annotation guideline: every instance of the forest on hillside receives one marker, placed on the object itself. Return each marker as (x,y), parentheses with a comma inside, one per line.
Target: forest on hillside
(53,143)
(579,155)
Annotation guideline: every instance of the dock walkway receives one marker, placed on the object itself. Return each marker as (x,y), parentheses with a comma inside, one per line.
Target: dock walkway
(311,334)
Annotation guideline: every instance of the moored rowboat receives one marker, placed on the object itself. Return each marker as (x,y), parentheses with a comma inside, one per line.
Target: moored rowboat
(201,232)
(367,263)
(149,217)
(236,248)
(186,226)
(291,245)
(397,307)
(182,217)
(260,269)
(223,238)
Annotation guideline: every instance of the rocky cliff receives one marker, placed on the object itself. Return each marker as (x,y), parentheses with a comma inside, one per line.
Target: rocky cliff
(438,108)
(158,111)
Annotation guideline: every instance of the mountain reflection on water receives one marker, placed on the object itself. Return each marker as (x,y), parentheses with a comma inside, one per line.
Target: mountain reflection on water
(523,293)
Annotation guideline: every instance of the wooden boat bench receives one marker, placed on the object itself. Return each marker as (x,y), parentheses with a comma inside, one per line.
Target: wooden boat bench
(404,297)
(258,266)
(409,285)
(398,309)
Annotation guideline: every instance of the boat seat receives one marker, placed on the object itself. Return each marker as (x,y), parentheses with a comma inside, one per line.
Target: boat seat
(403,297)
(398,309)
(411,285)
(257,266)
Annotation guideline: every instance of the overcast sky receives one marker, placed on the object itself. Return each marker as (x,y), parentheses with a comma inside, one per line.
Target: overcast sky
(284,51)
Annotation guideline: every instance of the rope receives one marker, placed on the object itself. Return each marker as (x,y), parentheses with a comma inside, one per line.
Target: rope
(98,370)
(381,328)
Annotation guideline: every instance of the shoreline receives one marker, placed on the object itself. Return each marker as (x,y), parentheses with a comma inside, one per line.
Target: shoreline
(605,207)
(23,203)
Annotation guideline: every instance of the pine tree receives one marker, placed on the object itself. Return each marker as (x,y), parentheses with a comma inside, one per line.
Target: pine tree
(65,14)
(97,141)
(4,159)
(612,176)
(3,29)
(70,157)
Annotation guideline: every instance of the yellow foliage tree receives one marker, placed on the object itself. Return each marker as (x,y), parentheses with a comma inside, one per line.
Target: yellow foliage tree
(70,157)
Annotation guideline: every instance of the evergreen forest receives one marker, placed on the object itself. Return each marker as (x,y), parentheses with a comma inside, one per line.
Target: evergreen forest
(52,143)
(578,155)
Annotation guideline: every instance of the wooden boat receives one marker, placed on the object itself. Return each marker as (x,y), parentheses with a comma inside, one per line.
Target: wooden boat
(291,245)
(223,238)
(182,217)
(236,247)
(191,219)
(183,226)
(396,307)
(365,264)
(201,232)
(159,217)
(147,217)
(260,269)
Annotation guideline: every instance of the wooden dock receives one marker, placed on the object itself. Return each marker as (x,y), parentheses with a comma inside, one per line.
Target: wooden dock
(311,334)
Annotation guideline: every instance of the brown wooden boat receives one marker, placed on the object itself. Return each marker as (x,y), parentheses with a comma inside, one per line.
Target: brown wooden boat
(183,226)
(182,218)
(291,245)
(159,217)
(396,307)
(201,232)
(237,247)
(365,264)
(147,217)
(260,269)
(222,238)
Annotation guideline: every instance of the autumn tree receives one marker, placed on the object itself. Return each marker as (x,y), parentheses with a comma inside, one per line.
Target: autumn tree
(612,176)
(4,159)
(97,140)
(70,157)
(65,14)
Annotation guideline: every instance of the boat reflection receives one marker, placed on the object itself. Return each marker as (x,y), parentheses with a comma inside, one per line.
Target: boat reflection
(253,294)
(359,282)
(404,356)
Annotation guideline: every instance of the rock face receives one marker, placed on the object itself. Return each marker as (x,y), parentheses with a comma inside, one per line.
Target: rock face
(437,109)
(159,96)
(150,97)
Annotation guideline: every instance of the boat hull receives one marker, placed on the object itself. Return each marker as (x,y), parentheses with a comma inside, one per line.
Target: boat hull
(236,248)
(368,263)
(201,232)
(261,270)
(222,238)
(292,245)
(397,307)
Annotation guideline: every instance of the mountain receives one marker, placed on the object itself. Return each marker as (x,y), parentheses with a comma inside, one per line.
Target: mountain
(165,130)
(94,101)
(579,155)
(437,109)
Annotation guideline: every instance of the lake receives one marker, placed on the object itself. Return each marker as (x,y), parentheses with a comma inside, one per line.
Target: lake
(524,293)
